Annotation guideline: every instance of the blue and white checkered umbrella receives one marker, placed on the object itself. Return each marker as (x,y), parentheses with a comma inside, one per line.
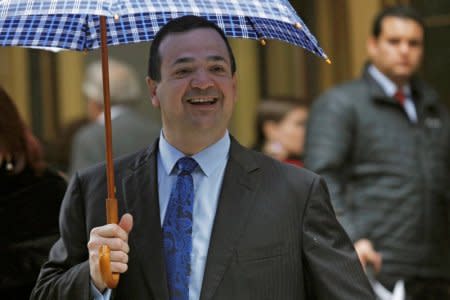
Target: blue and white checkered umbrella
(75,25)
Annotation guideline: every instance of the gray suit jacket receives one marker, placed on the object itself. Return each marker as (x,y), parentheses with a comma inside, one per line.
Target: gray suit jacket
(130,132)
(275,235)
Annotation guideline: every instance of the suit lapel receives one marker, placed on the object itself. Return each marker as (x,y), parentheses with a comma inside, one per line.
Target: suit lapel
(235,202)
(142,201)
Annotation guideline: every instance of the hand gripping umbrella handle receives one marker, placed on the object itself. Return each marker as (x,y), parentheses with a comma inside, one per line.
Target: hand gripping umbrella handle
(111,279)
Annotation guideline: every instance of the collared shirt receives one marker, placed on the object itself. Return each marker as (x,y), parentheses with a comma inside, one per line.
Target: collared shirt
(207,179)
(207,184)
(390,88)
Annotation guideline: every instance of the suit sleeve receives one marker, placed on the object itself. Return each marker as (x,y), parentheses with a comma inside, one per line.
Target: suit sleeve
(328,149)
(66,273)
(332,268)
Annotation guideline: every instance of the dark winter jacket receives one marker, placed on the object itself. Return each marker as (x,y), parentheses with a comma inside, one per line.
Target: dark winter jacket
(29,210)
(388,177)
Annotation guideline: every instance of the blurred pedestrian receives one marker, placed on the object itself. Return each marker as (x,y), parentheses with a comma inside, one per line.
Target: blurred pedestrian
(30,198)
(382,143)
(280,128)
(58,151)
(131,131)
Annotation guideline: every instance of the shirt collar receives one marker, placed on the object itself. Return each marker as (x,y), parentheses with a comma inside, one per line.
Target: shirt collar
(389,87)
(208,159)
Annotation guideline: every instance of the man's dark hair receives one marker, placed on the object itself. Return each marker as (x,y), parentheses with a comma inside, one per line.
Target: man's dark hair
(179,25)
(399,11)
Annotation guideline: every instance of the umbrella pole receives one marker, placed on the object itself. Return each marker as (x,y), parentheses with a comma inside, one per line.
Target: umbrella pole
(110,279)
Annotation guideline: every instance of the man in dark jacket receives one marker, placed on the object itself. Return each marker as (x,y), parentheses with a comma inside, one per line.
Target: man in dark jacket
(201,216)
(382,143)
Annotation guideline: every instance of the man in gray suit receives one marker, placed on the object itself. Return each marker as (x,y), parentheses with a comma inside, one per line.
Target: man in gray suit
(131,130)
(258,228)
(382,143)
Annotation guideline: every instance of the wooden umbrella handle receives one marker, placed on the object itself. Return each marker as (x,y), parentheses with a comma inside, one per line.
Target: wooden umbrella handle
(111,279)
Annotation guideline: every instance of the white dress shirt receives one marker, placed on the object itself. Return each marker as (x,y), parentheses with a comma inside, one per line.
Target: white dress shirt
(390,88)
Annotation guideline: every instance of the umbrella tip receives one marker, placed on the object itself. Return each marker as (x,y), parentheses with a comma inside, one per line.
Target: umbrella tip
(263,41)
(328,61)
(298,25)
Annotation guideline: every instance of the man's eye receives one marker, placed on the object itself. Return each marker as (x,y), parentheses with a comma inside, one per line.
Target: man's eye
(394,41)
(182,72)
(415,43)
(218,69)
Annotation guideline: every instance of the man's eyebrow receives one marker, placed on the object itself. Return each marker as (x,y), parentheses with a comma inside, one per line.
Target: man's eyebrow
(217,58)
(185,60)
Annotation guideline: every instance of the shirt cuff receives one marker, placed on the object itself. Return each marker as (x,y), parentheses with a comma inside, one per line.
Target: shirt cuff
(96,295)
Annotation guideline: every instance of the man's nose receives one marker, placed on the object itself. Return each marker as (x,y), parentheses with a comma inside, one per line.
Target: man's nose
(201,80)
(404,47)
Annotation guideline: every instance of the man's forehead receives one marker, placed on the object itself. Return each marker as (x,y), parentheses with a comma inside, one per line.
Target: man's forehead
(190,59)
(190,45)
(195,33)
(393,23)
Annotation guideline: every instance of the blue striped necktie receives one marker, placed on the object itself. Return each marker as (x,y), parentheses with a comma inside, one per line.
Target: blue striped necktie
(177,231)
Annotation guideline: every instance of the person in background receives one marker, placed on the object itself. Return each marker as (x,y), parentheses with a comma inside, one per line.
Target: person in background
(202,217)
(131,131)
(382,143)
(58,151)
(30,198)
(280,129)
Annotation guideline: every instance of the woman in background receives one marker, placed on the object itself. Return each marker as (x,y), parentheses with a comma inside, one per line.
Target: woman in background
(281,129)
(30,197)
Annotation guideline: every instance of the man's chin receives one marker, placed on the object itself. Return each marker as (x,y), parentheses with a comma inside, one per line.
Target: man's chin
(206,128)
(402,76)
(405,72)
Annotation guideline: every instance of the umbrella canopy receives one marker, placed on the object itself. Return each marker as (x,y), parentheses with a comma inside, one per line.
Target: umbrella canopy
(75,24)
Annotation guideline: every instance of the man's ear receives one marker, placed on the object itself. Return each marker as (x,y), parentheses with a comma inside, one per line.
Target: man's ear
(270,129)
(235,90)
(152,87)
(371,45)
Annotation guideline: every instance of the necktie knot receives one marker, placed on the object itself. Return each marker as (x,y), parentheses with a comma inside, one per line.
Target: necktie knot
(186,165)
(400,96)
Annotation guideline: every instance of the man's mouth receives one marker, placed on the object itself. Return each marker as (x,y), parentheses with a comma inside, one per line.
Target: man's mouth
(202,101)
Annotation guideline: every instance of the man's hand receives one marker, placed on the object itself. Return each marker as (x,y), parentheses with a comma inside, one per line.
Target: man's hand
(368,255)
(115,236)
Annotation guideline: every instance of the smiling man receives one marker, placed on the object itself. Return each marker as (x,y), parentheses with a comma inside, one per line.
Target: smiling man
(195,88)
(202,217)
(382,143)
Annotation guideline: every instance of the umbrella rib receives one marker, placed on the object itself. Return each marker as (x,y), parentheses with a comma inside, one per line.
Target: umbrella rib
(258,34)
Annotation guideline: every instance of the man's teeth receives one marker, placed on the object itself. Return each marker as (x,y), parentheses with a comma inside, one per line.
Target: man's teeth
(201,100)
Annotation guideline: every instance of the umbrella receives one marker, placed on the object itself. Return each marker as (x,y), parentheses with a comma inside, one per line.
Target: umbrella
(91,24)
(75,24)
